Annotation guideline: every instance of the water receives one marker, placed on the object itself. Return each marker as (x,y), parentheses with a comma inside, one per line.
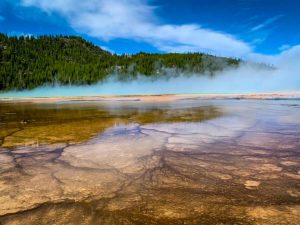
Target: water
(132,162)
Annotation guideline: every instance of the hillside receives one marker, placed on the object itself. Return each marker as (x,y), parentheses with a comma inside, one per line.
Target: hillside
(28,62)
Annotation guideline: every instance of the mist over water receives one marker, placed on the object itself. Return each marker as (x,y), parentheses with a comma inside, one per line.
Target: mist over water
(245,79)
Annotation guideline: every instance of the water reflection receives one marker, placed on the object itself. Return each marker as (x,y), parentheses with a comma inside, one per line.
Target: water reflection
(35,124)
(184,162)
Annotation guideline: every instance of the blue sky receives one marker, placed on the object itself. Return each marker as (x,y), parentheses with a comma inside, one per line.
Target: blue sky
(240,28)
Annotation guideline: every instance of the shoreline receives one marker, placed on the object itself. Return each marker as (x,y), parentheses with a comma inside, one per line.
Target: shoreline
(157,97)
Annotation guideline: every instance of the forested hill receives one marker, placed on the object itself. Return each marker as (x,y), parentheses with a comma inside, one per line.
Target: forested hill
(28,62)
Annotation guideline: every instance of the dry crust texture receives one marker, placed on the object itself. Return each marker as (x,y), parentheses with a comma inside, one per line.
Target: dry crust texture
(185,162)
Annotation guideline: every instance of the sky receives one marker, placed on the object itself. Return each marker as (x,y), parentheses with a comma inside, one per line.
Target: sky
(259,30)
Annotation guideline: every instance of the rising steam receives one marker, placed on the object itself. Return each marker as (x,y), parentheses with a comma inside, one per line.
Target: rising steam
(245,79)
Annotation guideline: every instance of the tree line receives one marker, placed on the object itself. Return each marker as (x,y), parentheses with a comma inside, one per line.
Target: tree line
(27,62)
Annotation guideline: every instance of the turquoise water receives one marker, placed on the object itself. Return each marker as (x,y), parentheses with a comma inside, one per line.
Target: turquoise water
(180,85)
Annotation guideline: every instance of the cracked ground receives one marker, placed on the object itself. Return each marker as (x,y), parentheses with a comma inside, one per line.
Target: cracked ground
(181,162)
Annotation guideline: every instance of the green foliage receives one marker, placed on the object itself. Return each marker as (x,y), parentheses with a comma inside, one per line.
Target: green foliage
(28,62)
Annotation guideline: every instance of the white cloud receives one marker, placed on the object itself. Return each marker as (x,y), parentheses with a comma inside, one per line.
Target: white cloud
(284,47)
(291,54)
(266,23)
(135,19)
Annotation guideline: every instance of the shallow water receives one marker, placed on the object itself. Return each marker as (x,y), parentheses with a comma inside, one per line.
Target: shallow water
(130,162)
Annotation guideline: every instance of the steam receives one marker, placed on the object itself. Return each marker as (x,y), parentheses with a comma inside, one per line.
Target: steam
(245,79)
